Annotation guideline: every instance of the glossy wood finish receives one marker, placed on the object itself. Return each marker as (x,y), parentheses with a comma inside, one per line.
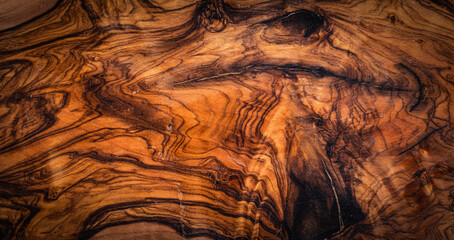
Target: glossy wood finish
(138,119)
(13,13)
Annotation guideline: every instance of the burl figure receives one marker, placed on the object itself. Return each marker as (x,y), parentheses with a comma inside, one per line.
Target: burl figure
(143,119)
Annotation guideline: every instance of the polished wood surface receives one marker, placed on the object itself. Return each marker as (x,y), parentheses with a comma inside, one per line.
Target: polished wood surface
(14,13)
(140,119)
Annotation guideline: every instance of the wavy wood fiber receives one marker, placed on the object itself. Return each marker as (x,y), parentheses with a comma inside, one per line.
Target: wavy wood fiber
(140,119)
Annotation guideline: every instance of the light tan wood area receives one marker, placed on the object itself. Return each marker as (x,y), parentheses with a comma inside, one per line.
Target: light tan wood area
(140,119)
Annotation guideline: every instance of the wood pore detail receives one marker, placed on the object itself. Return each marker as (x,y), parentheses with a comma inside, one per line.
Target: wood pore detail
(140,119)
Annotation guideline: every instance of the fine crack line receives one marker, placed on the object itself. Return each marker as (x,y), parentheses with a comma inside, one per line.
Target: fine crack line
(341,221)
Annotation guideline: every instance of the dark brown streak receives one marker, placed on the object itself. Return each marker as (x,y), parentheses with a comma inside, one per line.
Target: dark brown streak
(422,140)
(420,86)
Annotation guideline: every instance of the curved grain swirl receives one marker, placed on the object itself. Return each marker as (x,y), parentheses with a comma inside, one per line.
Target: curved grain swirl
(228,120)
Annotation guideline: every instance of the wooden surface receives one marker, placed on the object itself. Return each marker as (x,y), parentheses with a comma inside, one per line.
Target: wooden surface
(16,12)
(140,119)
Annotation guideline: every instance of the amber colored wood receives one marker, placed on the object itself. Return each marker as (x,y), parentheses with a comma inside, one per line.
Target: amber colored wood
(13,13)
(140,119)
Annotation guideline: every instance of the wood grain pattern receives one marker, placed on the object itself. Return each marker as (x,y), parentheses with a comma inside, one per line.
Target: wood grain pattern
(141,119)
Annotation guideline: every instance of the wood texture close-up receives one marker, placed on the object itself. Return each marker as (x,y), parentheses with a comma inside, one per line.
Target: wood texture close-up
(234,119)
